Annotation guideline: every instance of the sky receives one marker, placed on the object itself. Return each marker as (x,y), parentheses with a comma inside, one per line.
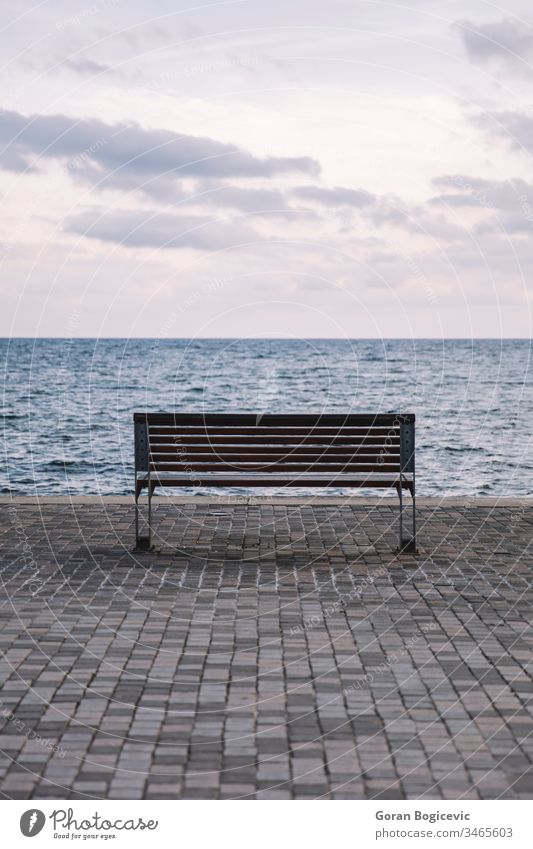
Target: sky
(289,168)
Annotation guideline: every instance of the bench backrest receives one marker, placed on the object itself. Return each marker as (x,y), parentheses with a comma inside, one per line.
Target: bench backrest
(234,442)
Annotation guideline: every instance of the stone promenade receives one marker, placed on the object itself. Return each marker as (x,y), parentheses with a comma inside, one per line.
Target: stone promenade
(268,649)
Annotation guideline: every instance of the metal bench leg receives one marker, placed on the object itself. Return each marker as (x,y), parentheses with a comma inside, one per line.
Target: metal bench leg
(407,544)
(399,490)
(143,543)
(413,499)
(150,493)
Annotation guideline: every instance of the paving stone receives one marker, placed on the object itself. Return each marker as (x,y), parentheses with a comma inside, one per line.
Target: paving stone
(265,650)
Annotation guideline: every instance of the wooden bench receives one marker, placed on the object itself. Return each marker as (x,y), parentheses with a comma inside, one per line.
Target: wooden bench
(283,450)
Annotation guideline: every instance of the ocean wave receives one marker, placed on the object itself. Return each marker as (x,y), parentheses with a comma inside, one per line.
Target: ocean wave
(463,449)
(70,463)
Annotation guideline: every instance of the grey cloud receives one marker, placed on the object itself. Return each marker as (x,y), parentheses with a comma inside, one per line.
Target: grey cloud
(455,200)
(391,211)
(509,41)
(250,200)
(477,192)
(129,147)
(436,227)
(416,219)
(203,192)
(14,160)
(159,187)
(515,127)
(85,67)
(336,196)
(387,211)
(512,201)
(159,230)
(510,222)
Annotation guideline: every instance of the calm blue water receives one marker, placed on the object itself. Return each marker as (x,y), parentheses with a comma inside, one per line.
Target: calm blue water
(66,405)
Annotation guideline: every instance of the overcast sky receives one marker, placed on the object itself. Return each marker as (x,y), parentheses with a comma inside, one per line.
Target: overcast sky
(266,168)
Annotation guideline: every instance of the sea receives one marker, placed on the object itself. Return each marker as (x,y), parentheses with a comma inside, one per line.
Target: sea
(67,404)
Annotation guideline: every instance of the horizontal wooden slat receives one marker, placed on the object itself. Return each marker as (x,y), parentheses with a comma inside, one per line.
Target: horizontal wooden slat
(258,453)
(333,468)
(267,419)
(251,479)
(275,440)
(157,430)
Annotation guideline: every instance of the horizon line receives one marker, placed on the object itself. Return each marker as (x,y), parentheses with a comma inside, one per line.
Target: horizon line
(276,338)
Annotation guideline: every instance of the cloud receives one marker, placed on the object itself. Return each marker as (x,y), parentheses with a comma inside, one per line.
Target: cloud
(15,160)
(515,127)
(480,192)
(508,41)
(129,148)
(202,192)
(509,223)
(511,200)
(161,230)
(336,196)
(85,67)
(243,198)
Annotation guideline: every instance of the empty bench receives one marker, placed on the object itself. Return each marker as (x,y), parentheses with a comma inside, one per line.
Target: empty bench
(248,450)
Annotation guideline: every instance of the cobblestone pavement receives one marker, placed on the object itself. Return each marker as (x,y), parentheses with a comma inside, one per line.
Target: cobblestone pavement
(265,651)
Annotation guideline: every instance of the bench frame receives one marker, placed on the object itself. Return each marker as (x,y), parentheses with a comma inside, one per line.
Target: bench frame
(400,474)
